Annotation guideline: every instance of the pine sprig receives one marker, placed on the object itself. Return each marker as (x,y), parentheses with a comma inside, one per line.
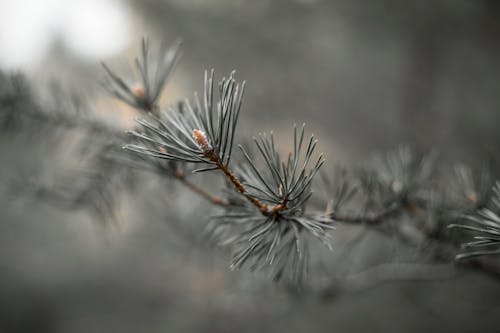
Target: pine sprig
(202,133)
(154,72)
(469,190)
(278,239)
(287,183)
(401,174)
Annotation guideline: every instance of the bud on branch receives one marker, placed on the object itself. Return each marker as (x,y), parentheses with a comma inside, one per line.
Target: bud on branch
(201,140)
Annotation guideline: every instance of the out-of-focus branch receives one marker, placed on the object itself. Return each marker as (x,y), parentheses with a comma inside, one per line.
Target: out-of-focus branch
(387,273)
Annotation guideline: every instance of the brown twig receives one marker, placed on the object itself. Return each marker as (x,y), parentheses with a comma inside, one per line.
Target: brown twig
(216,200)
(263,208)
(209,152)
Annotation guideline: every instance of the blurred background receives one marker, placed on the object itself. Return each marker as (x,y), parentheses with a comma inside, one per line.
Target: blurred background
(365,76)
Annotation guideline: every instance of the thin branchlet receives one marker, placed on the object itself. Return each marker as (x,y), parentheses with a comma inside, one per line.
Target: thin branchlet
(268,226)
(209,152)
(216,200)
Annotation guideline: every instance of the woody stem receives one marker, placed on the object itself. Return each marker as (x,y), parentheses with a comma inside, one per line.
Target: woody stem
(263,207)
(216,200)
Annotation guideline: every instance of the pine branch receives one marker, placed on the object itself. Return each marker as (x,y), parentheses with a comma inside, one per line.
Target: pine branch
(266,226)
(203,133)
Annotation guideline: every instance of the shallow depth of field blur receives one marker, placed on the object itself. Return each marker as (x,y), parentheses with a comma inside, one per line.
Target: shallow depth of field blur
(366,76)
